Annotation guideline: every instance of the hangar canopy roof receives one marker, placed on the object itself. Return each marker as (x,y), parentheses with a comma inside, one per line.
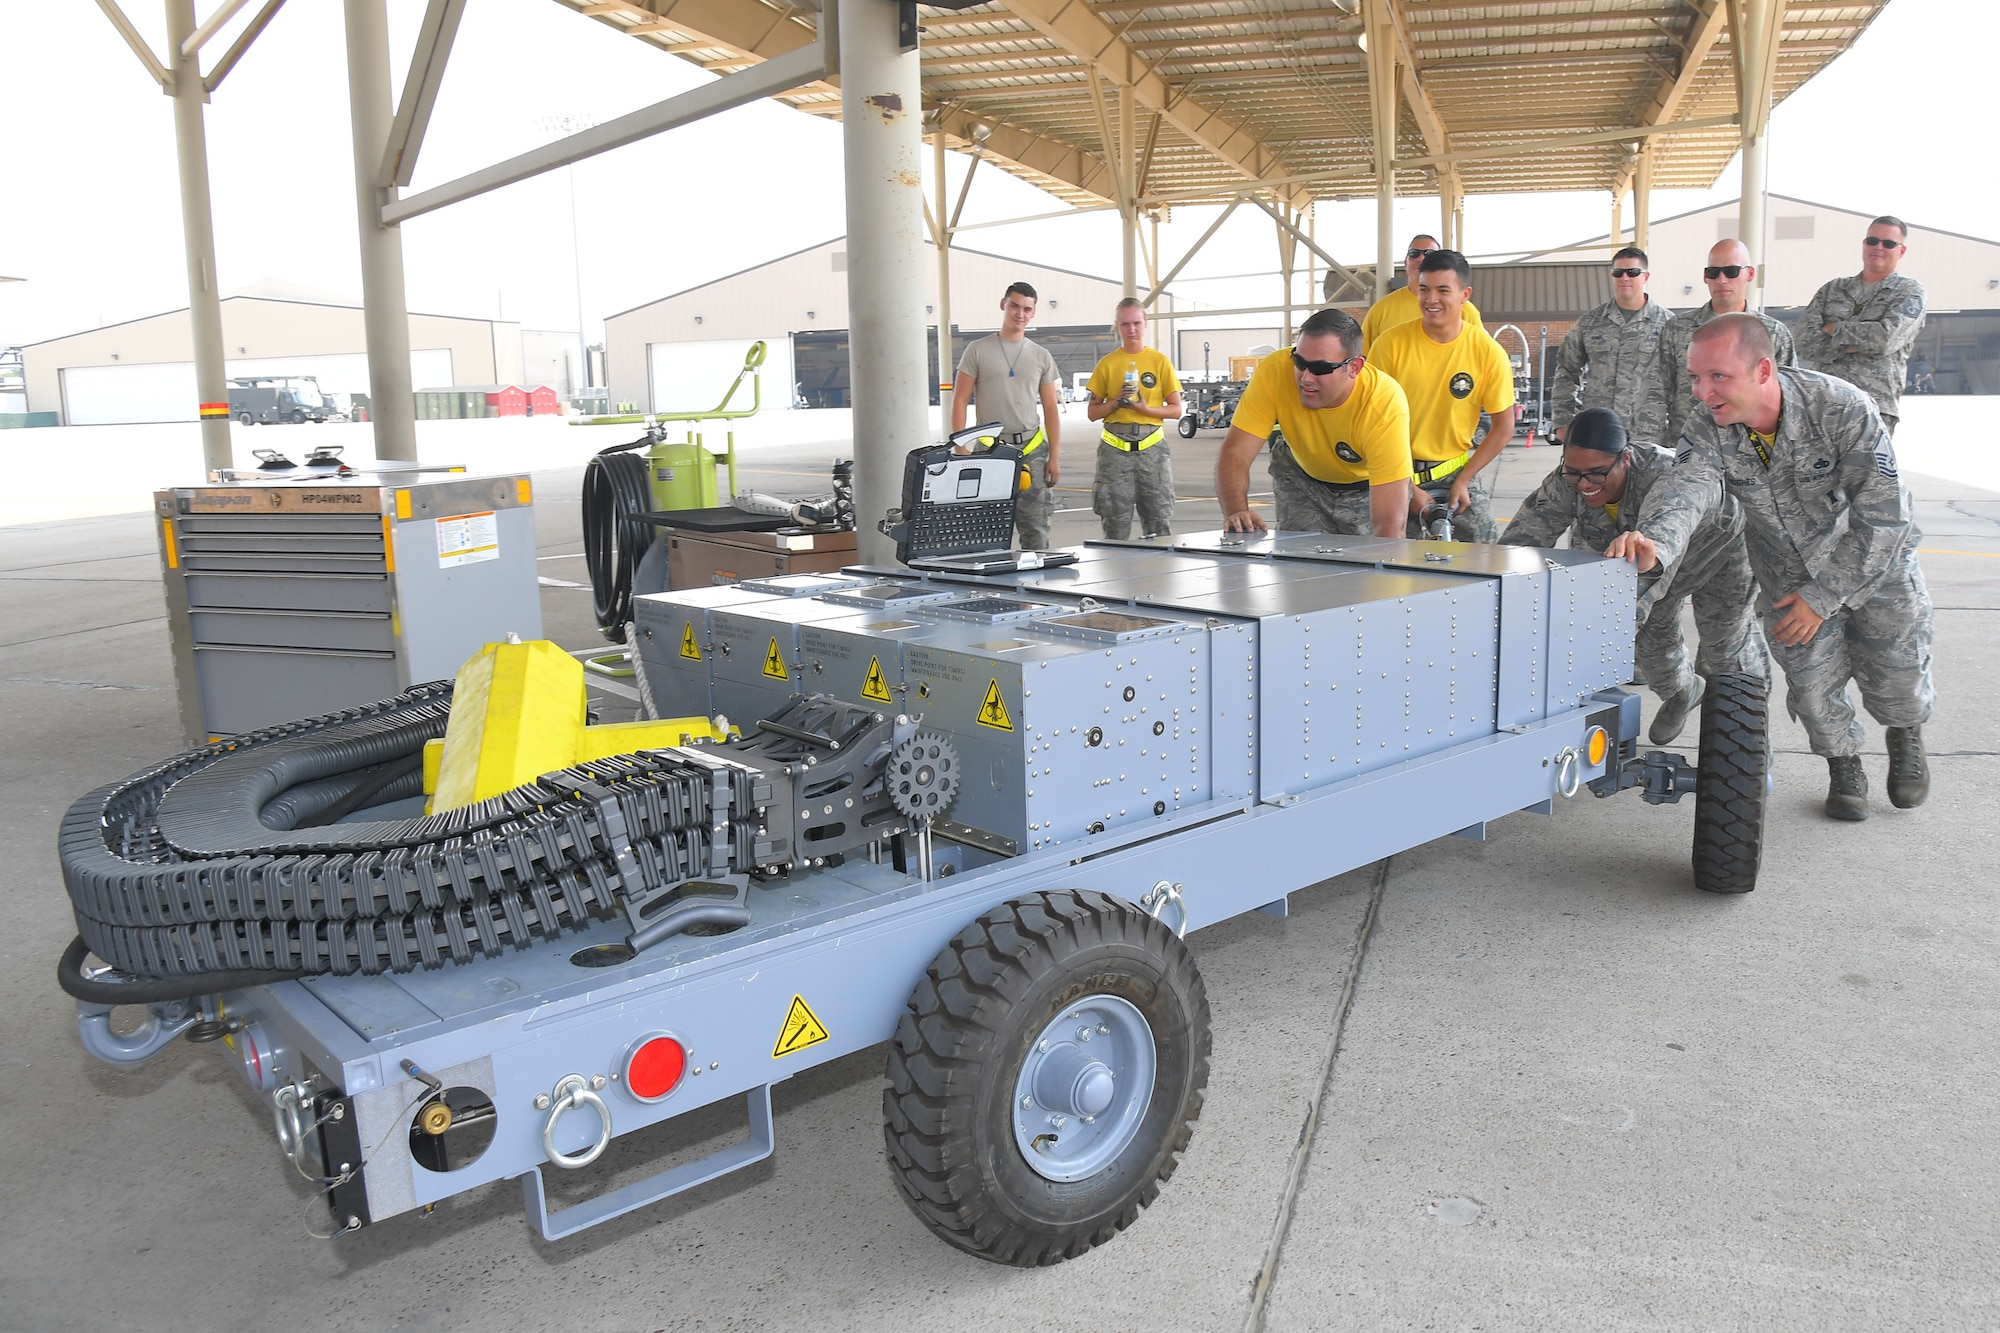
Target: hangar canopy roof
(1236,94)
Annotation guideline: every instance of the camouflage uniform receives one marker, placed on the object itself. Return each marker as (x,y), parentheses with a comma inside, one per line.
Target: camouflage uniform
(1129,478)
(1035,508)
(1714,573)
(1607,360)
(1830,520)
(1474,523)
(1874,327)
(1669,399)
(1307,504)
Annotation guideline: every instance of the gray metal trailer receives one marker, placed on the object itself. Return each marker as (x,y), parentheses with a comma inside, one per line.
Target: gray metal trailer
(1085,763)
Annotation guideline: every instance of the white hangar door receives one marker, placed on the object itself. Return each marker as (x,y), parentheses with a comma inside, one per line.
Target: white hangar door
(692,377)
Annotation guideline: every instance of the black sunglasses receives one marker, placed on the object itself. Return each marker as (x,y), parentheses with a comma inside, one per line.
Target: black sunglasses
(1882,241)
(1321,367)
(1724,270)
(1417,254)
(1597,474)
(1628,272)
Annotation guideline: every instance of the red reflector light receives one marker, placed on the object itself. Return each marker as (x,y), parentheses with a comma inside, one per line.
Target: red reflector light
(654,1067)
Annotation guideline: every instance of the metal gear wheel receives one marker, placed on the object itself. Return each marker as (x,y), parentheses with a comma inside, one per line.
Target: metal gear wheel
(922,775)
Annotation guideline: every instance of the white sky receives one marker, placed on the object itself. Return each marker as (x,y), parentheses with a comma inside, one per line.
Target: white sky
(89,209)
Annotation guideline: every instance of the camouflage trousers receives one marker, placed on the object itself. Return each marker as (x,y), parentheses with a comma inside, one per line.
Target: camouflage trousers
(1035,507)
(1134,478)
(1883,646)
(1725,624)
(1475,524)
(1307,504)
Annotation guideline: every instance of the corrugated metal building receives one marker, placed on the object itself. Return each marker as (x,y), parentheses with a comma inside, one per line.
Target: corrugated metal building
(681,352)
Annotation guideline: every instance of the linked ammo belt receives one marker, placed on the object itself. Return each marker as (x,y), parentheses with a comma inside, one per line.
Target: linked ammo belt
(1117,441)
(172,872)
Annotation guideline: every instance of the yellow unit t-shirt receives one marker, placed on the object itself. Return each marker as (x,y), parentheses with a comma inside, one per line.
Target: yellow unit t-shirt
(1396,309)
(1366,438)
(1448,384)
(1156,382)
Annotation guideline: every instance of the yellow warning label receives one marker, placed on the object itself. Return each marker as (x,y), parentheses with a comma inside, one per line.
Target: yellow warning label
(875,687)
(802,1029)
(993,709)
(774,663)
(689,648)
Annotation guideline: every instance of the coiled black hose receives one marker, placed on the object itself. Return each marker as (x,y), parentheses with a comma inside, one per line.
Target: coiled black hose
(615,492)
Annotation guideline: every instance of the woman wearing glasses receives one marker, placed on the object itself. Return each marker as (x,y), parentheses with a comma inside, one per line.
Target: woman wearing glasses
(1600,491)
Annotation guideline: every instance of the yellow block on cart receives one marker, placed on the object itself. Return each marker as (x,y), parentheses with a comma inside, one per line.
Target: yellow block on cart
(520,710)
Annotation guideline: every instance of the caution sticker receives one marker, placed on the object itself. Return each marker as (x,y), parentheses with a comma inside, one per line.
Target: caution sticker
(876,687)
(774,663)
(689,648)
(993,709)
(802,1029)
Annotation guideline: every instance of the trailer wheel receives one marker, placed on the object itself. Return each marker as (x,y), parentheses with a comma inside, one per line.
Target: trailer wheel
(1046,1077)
(1187,427)
(1731,785)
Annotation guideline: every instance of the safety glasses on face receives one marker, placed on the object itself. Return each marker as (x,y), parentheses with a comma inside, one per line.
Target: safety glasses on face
(1320,367)
(1714,271)
(1885,242)
(1595,475)
(1628,272)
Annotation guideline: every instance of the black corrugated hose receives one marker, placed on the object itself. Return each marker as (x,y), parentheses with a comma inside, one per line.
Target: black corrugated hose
(615,492)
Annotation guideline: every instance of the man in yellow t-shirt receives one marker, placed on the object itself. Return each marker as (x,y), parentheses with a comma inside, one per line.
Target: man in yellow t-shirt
(1400,306)
(1451,370)
(1134,393)
(1340,454)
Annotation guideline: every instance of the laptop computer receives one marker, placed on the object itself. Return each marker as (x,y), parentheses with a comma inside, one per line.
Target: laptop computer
(957,513)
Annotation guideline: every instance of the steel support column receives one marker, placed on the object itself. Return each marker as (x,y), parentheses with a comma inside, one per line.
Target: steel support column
(1756,26)
(882,150)
(947,368)
(1617,220)
(211,379)
(1128,187)
(1380,31)
(1642,196)
(385,318)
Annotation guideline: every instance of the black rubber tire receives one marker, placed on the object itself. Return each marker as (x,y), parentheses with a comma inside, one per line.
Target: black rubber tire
(297,418)
(245,419)
(958,1050)
(1731,786)
(1187,428)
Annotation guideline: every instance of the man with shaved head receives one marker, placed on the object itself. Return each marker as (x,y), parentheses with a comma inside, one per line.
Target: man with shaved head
(1827,521)
(1664,408)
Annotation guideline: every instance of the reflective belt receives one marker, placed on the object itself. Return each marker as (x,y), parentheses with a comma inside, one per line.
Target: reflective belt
(1427,472)
(1041,438)
(1133,446)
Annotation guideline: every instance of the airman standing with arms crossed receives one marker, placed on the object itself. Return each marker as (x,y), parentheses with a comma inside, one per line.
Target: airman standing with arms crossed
(1831,541)
(1861,329)
(1451,370)
(1014,382)
(1400,306)
(1134,392)
(1340,438)
(1609,355)
(1669,397)
(1600,490)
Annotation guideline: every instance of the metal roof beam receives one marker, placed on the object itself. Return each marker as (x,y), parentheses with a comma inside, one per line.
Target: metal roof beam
(1035,152)
(159,72)
(251,30)
(1072,25)
(420,91)
(751,29)
(1672,89)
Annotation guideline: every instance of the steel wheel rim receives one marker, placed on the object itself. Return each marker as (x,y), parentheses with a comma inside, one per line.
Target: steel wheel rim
(1079,1100)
